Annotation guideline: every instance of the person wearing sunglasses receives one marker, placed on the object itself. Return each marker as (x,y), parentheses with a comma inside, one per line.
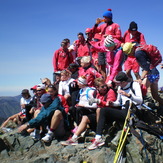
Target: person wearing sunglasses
(101,96)
(113,113)
(50,115)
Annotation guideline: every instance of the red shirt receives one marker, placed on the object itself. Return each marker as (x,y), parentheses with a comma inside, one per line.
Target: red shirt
(91,74)
(64,103)
(81,48)
(61,59)
(110,96)
(137,38)
(113,29)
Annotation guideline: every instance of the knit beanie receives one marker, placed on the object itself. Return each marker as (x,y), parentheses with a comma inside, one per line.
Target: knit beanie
(108,14)
(133,26)
(109,41)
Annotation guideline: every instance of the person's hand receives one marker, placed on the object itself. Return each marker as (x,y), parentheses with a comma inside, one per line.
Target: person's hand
(123,93)
(108,103)
(99,20)
(23,106)
(22,127)
(93,100)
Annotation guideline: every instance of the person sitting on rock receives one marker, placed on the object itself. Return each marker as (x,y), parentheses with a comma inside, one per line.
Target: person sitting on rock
(88,70)
(25,99)
(51,113)
(103,95)
(109,114)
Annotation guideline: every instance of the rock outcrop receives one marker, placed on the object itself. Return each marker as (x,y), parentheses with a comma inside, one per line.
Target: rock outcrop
(17,148)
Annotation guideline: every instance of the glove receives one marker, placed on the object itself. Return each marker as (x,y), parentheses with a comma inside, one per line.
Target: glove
(94,100)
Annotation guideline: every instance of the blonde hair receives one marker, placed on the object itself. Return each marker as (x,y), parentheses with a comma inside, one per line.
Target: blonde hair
(66,72)
(98,81)
(47,80)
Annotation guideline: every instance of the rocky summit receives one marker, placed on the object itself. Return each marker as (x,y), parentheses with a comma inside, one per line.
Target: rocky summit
(18,148)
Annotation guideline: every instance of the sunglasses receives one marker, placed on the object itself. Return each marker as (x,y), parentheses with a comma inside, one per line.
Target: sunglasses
(39,90)
(103,86)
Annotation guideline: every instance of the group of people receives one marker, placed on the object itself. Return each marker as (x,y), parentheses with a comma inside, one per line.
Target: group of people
(90,88)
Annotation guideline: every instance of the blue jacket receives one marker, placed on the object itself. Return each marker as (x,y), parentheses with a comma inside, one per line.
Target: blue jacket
(46,113)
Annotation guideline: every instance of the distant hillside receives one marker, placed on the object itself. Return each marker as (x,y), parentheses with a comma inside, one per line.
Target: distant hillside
(9,106)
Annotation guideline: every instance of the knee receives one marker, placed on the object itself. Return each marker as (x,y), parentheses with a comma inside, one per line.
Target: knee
(98,110)
(85,119)
(57,114)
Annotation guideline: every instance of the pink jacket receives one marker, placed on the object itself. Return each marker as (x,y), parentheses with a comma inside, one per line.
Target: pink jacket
(113,58)
(61,60)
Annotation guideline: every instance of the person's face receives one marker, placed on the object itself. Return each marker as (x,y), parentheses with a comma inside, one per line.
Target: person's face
(106,19)
(80,37)
(25,95)
(52,92)
(133,32)
(58,77)
(122,84)
(64,77)
(102,88)
(40,92)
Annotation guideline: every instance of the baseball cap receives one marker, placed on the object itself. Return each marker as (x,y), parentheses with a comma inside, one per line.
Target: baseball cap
(45,98)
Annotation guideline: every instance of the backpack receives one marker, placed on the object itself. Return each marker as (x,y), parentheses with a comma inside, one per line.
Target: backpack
(153,54)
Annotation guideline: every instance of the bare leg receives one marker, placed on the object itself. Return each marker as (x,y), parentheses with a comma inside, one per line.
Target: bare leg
(83,125)
(154,92)
(98,114)
(57,117)
(9,119)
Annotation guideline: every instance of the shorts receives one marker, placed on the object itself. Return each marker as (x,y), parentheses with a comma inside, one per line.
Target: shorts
(101,58)
(131,64)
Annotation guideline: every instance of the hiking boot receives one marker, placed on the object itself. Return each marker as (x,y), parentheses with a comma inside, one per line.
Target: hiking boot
(35,134)
(96,143)
(48,137)
(70,141)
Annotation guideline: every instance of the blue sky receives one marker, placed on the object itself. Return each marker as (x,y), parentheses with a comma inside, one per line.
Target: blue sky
(31,30)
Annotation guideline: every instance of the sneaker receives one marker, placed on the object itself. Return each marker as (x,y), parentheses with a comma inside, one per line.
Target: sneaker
(70,141)
(96,143)
(48,137)
(35,134)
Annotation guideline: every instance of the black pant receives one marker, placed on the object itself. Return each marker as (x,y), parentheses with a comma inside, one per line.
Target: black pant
(109,115)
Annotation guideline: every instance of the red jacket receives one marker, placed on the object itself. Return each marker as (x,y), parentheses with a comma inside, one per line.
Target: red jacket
(61,59)
(64,103)
(137,38)
(90,75)
(113,29)
(81,48)
(109,96)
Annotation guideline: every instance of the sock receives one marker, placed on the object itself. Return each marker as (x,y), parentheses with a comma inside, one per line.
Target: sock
(74,136)
(51,129)
(97,136)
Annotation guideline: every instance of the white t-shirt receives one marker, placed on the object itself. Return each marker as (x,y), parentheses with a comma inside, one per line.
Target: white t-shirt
(86,94)
(64,87)
(24,101)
